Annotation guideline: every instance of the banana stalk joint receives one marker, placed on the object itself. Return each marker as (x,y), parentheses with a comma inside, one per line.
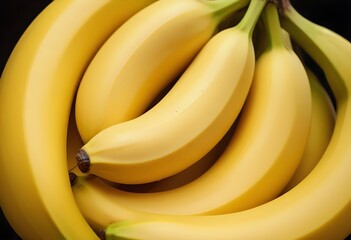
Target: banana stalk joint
(222,8)
(271,21)
(251,16)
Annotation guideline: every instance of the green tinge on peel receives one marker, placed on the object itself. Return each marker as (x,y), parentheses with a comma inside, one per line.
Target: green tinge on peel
(248,22)
(272,26)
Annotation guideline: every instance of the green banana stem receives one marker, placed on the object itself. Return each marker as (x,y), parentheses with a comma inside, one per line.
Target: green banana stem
(223,8)
(323,45)
(248,22)
(272,24)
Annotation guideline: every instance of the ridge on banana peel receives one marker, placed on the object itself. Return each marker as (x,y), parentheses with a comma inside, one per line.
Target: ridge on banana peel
(147,53)
(319,207)
(38,84)
(322,127)
(253,169)
(185,124)
(187,175)
(322,124)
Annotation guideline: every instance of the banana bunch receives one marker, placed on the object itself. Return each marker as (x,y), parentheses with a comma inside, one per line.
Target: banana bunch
(176,120)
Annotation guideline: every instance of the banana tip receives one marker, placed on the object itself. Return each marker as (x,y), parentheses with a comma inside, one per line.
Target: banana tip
(83,161)
(72,178)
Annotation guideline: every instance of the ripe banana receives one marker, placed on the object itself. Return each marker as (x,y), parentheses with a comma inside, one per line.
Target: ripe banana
(38,85)
(74,143)
(188,122)
(322,126)
(142,57)
(256,169)
(319,207)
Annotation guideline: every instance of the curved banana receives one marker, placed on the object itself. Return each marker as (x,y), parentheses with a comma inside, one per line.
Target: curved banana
(253,169)
(74,143)
(148,52)
(188,122)
(38,85)
(322,127)
(319,207)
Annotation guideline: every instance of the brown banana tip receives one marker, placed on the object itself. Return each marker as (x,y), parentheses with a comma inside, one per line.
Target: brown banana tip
(83,161)
(72,178)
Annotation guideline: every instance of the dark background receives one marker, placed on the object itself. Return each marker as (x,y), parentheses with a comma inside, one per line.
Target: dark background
(16,15)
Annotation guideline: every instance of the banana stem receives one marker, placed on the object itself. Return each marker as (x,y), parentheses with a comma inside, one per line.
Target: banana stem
(223,8)
(248,22)
(271,21)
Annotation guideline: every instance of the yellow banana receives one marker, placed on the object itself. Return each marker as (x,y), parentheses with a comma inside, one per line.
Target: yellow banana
(319,207)
(188,122)
(255,169)
(142,57)
(74,143)
(322,126)
(38,85)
